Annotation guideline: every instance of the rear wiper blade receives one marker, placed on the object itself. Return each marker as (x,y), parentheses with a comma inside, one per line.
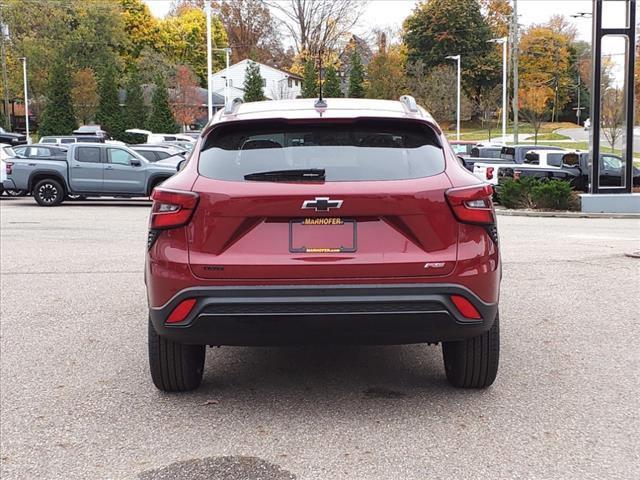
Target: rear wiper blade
(302,174)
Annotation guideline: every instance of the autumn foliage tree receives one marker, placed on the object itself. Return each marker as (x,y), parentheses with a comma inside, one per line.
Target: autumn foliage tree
(613,115)
(85,95)
(386,74)
(533,106)
(186,98)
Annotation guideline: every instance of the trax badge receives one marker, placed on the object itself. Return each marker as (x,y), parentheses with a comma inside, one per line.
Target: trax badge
(322,204)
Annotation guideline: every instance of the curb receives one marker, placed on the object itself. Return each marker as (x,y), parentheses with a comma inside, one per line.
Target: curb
(535,213)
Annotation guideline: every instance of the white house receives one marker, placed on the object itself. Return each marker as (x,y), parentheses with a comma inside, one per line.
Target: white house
(277,84)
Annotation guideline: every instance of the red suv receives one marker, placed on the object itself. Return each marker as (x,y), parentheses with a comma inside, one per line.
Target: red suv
(296,222)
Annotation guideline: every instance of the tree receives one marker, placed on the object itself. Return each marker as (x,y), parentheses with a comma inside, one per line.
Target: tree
(434,91)
(252,31)
(331,85)
(253,91)
(545,60)
(134,113)
(386,74)
(58,117)
(186,98)
(356,77)
(317,24)
(183,39)
(109,115)
(439,28)
(309,79)
(533,106)
(498,15)
(161,119)
(85,95)
(141,28)
(613,115)
(489,104)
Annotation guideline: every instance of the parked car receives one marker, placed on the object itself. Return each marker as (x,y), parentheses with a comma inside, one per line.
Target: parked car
(7,153)
(516,153)
(89,169)
(58,140)
(188,146)
(93,132)
(153,153)
(289,227)
(151,137)
(575,170)
(10,138)
(41,151)
(462,147)
(486,152)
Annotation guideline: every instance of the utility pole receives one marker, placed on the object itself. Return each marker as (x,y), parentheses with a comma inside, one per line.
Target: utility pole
(207,10)
(579,108)
(515,55)
(457,58)
(26,97)
(4,35)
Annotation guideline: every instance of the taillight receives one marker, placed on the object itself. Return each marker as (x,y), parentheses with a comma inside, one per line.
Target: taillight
(489,173)
(9,167)
(171,208)
(517,174)
(472,204)
(465,307)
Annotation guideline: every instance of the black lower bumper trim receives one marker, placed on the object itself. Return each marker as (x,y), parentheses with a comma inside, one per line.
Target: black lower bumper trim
(355,314)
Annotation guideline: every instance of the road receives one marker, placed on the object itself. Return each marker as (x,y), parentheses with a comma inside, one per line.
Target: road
(582,135)
(77,401)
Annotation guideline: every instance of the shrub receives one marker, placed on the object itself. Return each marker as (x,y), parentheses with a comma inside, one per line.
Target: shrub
(517,193)
(551,195)
(530,192)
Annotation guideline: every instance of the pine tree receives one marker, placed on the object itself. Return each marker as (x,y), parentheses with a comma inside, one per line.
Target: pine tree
(161,119)
(109,114)
(331,85)
(356,77)
(253,83)
(134,110)
(58,117)
(309,80)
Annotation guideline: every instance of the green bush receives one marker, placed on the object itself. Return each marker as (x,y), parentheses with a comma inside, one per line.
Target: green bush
(517,193)
(530,192)
(551,195)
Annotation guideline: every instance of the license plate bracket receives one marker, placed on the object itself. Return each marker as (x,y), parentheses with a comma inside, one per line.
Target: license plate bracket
(323,235)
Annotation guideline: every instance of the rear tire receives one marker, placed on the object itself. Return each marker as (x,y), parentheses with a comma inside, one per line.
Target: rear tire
(473,363)
(174,367)
(48,193)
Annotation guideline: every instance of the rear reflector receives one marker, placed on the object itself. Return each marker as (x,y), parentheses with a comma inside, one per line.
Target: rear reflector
(472,204)
(181,311)
(171,208)
(465,307)
(8,168)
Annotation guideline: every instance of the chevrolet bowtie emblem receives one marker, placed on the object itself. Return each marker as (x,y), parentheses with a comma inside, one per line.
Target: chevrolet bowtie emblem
(322,204)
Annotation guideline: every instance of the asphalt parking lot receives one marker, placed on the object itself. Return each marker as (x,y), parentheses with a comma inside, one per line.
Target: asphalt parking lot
(77,401)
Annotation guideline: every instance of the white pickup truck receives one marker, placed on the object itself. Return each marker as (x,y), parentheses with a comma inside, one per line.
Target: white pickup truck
(533,156)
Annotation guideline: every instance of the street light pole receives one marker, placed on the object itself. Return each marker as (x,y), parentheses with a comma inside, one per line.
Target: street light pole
(207,9)
(457,58)
(503,41)
(26,97)
(4,35)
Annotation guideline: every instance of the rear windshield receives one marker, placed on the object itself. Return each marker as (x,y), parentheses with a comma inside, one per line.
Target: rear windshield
(352,151)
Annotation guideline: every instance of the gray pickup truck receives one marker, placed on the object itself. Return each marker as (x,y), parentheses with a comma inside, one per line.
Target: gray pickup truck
(90,169)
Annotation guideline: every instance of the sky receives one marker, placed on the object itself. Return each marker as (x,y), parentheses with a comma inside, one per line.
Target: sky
(391,13)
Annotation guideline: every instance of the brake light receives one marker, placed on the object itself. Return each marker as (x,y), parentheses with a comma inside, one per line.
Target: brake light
(171,208)
(182,311)
(465,307)
(516,175)
(9,167)
(489,173)
(472,204)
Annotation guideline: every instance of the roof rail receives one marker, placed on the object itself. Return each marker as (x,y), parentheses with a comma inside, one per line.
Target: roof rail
(409,103)
(232,108)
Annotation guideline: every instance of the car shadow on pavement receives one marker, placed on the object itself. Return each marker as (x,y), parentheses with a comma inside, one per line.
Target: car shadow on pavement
(256,375)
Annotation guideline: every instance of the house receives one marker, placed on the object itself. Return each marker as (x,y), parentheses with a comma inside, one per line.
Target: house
(277,84)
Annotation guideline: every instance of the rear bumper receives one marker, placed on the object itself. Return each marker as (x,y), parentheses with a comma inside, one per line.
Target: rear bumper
(292,314)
